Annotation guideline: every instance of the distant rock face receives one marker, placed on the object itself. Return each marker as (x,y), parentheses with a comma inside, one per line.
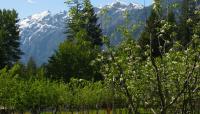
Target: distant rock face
(42,33)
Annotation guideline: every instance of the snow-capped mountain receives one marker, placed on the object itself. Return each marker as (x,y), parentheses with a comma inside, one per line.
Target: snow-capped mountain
(123,6)
(42,33)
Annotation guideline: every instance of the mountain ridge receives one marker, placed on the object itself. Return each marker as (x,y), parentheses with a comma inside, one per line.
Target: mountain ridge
(41,33)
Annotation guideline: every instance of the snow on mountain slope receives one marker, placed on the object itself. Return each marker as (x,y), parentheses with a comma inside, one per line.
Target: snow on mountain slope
(42,33)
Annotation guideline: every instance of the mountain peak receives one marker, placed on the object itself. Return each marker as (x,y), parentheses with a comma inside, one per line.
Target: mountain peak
(122,5)
(119,4)
(135,6)
(40,16)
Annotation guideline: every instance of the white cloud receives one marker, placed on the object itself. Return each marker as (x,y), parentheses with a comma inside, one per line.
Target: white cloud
(31,1)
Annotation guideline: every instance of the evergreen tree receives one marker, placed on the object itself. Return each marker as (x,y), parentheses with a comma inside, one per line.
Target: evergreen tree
(159,33)
(9,38)
(188,20)
(83,18)
(74,56)
(74,20)
(3,57)
(90,24)
(150,34)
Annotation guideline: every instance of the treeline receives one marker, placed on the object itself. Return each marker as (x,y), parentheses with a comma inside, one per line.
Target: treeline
(158,72)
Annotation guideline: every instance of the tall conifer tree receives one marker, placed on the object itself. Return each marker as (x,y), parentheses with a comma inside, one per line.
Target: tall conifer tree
(83,42)
(9,38)
(74,20)
(149,36)
(188,20)
(91,25)
(159,32)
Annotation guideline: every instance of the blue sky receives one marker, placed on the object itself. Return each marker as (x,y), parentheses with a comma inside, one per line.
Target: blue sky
(28,7)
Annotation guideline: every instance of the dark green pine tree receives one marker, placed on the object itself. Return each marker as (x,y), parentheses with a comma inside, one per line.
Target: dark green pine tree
(3,56)
(158,36)
(83,19)
(9,38)
(188,21)
(150,35)
(93,29)
(74,56)
(74,21)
